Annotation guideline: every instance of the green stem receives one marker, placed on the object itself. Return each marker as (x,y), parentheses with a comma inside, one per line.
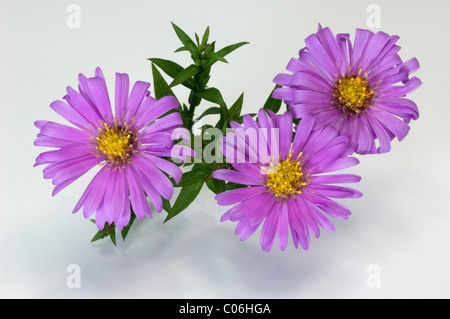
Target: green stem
(194,100)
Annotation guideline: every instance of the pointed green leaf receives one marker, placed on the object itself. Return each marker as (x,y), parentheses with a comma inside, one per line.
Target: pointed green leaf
(211,110)
(228,49)
(215,185)
(184,199)
(236,108)
(223,52)
(198,173)
(185,75)
(126,229)
(218,57)
(99,235)
(185,39)
(205,37)
(180,49)
(161,87)
(271,103)
(172,69)
(197,39)
(112,235)
(166,204)
(212,95)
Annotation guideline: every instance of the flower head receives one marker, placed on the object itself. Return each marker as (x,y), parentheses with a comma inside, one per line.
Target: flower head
(359,88)
(128,147)
(286,187)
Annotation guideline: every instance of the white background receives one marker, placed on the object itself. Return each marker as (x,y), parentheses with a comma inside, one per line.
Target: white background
(401,224)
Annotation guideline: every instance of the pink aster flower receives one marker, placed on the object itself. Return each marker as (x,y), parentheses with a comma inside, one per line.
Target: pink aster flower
(291,191)
(359,88)
(128,147)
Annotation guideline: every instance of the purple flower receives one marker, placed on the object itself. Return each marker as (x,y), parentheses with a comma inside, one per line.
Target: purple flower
(288,188)
(128,147)
(353,87)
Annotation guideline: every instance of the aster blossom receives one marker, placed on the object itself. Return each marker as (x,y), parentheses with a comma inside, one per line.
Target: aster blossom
(287,185)
(359,88)
(128,146)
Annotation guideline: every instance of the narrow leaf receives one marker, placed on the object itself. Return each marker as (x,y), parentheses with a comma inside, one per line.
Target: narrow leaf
(215,185)
(205,36)
(112,235)
(161,87)
(172,69)
(211,110)
(236,108)
(185,75)
(212,95)
(225,51)
(198,173)
(126,229)
(184,199)
(180,49)
(217,56)
(185,39)
(98,236)
(271,103)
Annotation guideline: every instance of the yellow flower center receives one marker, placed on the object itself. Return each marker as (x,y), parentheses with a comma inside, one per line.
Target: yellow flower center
(286,179)
(352,94)
(116,143)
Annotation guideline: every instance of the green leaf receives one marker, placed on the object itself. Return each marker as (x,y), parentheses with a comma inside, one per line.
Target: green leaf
(197,39)
(271,103)
(185,75)
(113,237)
(217,56)
(235,109)
(185,39)
(161,87)
(172,69)
(205,37)
(225,51)
(211,110)
(126,229)
(166,204)
(215,185)
(180,49)
(184,199)
(98,236)
(198,173)
(212,95)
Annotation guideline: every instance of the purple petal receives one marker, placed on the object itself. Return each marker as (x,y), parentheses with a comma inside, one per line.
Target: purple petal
(137,95)
(70,114)
(153,109)
(137,196)
(235,196)
(336,179)
(98,189)
(269,228)
(284,123)
(100,97)
(283,227)
(236,177)
(334,191)
(78,102)
(121,95)
(158,179)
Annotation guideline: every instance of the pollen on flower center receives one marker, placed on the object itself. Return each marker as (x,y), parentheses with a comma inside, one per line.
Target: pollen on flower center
(286,179)
(352,94)
(117,143)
